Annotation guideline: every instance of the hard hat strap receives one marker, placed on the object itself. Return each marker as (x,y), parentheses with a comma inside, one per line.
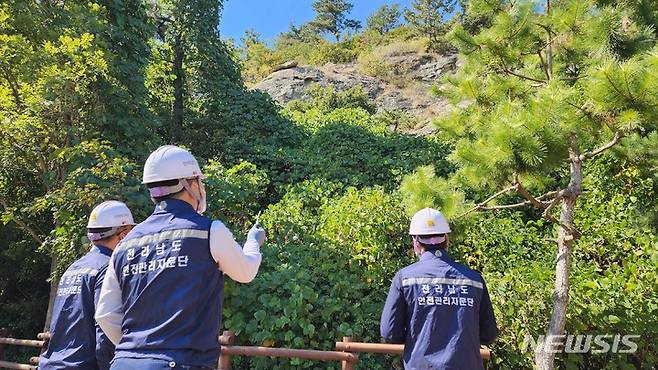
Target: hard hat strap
(98,236)
(194,194)
(433,240)
(163,191)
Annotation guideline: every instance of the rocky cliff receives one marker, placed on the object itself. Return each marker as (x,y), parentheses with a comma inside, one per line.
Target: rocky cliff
(405,88)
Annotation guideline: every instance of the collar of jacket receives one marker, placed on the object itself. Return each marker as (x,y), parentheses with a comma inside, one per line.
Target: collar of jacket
(427,255)
(103,250)
(172,205)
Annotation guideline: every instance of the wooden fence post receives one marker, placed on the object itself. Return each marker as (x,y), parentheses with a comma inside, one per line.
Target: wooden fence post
(225,359)
(45,337)
(4,332)
(347,365)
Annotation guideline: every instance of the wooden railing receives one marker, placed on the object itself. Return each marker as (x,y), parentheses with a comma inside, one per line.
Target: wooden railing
(346,351)
(229,350)
(24,343)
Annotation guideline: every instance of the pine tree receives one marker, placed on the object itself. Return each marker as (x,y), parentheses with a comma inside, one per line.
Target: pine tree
(192,52)
(331,17)
(544,90)
(428,17)
(384,19)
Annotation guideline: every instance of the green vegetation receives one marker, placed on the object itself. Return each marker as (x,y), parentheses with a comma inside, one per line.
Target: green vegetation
(305,44)
(331,17)
(385,19)
(88,89)
(429,18)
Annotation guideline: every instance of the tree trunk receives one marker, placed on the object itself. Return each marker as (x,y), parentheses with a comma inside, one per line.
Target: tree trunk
(54,283)
(548,346)
(177,119)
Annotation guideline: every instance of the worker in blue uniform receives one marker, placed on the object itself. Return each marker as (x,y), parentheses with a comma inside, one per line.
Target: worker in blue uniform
(161,301)
(76,342)
(438,308)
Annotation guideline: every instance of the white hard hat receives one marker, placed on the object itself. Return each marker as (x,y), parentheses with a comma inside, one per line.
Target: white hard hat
(170,162)
(111,213)
(428,221)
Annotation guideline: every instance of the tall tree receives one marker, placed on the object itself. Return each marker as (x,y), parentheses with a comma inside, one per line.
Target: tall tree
(69,85)
(384,19)
(549,89)
(192,58)
(331,17)
(429,17)
(306,33)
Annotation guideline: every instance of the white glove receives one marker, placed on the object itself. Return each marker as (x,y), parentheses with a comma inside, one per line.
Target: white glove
(257,233)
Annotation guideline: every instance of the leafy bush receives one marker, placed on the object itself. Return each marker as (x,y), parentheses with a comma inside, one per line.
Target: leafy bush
(340,52)
(235,195)
(326,99)
(351,147)
(396,119)
(97,173)
(371,226)
(312,288)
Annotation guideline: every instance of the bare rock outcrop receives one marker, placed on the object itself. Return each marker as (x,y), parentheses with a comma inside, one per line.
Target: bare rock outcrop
(417,71)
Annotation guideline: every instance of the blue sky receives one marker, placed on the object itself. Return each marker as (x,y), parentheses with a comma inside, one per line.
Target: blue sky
(271,17)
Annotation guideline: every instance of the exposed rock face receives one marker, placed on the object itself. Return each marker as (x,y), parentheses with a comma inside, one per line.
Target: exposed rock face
(286,65)
(419,72)
(289,84)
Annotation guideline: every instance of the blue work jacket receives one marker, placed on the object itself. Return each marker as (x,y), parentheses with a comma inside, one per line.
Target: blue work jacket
(76,341)
(441,311)
(171,288)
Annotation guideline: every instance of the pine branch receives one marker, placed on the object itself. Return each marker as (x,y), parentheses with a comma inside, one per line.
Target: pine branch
(524,77)
(607,77)
(530,200)
(547,212)
(618,136)
(506,206)
(549,194)
(484,203)
(543,64)
(524,193)
(549,43)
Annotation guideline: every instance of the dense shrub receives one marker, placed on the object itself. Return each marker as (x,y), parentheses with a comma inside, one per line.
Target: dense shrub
(326,99)
(340,52)
(349,144)
(312,288)
(371,226)
(235,195)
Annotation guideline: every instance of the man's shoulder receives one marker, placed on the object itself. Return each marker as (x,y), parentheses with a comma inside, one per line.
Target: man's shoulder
(411,269)
(153,225)
(439,268)
(466,271)
(89,264)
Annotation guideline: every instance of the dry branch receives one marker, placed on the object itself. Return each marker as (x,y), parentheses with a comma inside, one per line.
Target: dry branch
(618,136)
